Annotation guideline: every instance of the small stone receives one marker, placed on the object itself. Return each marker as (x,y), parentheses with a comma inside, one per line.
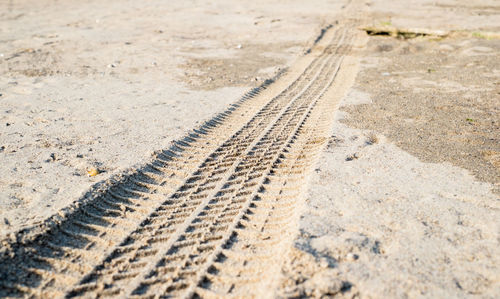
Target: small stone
(92,171)
(354,156)
(351,257)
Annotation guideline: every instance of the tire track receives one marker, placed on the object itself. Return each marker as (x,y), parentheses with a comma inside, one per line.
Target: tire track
(210,188)
(61,255)
(249,264)
(256,234)
(163,229)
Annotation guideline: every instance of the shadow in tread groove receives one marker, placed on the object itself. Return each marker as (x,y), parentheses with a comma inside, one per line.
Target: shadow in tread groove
(165,202)
(37,251)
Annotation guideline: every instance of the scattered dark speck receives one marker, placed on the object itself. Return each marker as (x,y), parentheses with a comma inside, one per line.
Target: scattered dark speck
(352,157)
(346,286)
(376,248)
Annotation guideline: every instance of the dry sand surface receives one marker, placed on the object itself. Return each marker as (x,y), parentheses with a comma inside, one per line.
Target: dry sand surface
(103,85)
(263,149)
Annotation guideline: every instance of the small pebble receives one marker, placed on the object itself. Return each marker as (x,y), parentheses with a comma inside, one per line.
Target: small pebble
(352,157)
(92,172)
(351,257)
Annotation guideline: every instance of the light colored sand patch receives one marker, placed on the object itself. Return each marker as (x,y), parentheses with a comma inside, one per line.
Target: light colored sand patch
(475,51)
(358,97)
(389,225)
(438,15)
(56,135)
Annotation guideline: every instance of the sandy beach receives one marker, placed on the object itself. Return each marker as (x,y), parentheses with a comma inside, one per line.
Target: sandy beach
(264,149)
